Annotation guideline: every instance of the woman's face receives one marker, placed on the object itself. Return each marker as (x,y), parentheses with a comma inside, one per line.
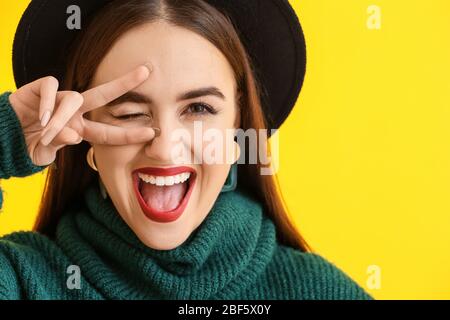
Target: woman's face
(181,61)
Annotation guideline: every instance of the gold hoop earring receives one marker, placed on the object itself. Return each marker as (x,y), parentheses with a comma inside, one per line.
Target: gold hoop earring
(90,159)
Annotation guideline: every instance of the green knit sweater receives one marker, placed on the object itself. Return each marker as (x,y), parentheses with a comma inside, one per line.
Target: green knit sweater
(233,254)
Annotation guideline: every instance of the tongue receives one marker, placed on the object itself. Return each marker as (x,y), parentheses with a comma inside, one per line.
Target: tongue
(163,198)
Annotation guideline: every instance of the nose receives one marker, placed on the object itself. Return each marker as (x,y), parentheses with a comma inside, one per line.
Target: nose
(171,145)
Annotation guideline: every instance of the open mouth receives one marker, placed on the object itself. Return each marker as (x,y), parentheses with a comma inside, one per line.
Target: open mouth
(163,193)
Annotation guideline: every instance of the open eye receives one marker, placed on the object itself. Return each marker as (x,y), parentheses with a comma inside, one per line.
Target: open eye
(200,109)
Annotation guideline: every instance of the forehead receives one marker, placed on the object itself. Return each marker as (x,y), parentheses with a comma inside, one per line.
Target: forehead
(181,58)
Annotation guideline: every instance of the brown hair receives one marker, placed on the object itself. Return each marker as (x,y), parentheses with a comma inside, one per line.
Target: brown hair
(66,183)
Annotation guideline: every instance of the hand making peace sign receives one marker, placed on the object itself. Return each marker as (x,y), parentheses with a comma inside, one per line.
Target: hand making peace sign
(47,130)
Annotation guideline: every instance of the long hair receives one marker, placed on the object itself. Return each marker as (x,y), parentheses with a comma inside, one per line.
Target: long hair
(66,183)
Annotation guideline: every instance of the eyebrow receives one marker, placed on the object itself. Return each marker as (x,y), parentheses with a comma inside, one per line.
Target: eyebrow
(133,96)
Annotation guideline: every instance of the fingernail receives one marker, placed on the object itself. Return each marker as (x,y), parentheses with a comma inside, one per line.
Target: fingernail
(149,66)
(157,131)
(45,118)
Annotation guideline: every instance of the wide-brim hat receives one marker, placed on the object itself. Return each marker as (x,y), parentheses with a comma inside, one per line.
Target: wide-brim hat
(269,29)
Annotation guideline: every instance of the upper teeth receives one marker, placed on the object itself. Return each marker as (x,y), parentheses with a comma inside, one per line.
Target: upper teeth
(164,180)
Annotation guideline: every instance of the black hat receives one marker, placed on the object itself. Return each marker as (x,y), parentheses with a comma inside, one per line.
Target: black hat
(269,29)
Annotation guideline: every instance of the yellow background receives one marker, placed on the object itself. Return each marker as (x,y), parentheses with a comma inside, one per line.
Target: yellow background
(365,155)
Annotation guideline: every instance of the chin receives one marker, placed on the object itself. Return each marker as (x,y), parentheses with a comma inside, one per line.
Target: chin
(163,242)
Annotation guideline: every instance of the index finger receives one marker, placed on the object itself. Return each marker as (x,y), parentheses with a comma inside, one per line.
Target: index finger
(99,96)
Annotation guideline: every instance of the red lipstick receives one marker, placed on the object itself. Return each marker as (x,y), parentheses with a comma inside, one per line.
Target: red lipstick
(164,216)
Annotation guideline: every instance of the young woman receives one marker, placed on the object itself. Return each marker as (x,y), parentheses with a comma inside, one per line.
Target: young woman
(119,218)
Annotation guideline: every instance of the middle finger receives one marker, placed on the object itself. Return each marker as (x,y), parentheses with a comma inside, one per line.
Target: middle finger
(101,133)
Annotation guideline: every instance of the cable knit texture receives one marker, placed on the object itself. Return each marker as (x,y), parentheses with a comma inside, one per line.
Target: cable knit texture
(233,254)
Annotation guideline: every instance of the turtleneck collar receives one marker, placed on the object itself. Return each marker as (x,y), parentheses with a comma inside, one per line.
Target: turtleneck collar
(224,255)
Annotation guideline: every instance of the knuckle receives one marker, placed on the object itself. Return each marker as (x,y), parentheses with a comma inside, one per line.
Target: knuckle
(51,80)
(80,97)
(56,128)
(122,85)
(128,137)
(102,96)
(103,137)
(76,96)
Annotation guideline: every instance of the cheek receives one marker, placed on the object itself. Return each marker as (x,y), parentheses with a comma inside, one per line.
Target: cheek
(213,139)
(214,171)
(115,158)
(115,167)
(213,177)
(217,146)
